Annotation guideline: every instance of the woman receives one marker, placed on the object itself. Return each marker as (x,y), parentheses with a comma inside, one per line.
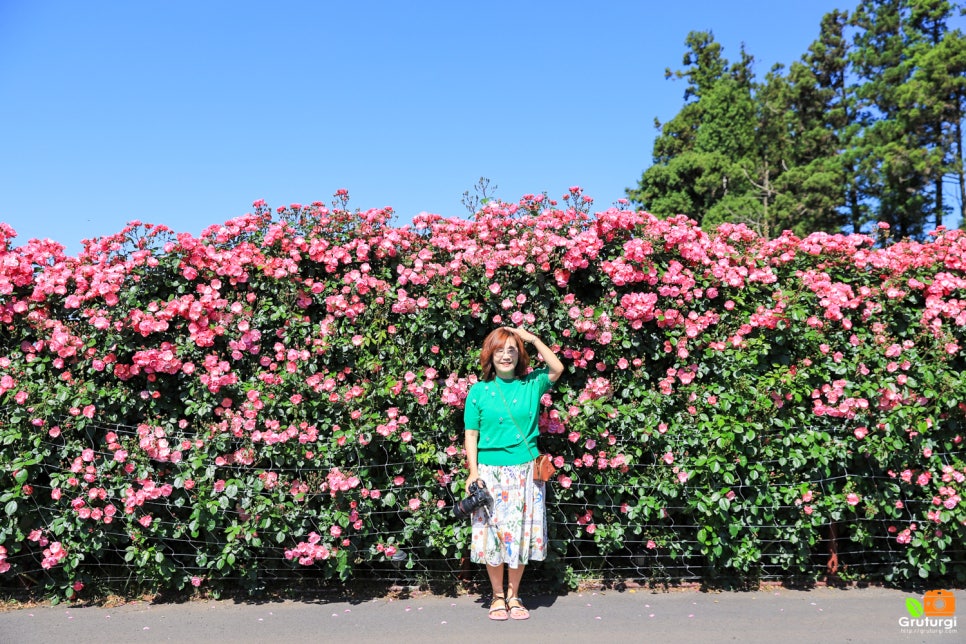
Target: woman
(501,444)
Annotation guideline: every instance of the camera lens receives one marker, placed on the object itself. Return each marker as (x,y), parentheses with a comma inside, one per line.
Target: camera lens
(477,497)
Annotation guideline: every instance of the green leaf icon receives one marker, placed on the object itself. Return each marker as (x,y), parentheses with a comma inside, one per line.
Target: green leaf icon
(914,606)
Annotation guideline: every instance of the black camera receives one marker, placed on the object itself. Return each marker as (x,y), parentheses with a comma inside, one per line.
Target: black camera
(478,497)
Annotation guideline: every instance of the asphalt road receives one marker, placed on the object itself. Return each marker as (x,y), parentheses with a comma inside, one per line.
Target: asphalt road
(768,615)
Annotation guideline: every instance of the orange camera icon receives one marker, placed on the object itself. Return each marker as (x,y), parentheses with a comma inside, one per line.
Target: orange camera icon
(939,603)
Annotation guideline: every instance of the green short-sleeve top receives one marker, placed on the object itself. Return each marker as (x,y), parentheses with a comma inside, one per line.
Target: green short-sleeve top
(506,413)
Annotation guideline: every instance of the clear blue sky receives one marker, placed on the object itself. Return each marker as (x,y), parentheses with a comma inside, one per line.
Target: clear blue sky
(185,112)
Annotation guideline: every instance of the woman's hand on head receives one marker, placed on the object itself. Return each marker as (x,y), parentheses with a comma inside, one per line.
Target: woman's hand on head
(554,365)
(522,333)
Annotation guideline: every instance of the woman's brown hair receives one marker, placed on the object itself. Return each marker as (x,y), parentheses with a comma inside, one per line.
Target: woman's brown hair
(497,340)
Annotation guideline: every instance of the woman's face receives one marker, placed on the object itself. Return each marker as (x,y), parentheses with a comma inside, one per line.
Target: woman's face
(505,359)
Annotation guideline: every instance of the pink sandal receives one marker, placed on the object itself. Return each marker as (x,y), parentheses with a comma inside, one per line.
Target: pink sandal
(517,609)
(498,609)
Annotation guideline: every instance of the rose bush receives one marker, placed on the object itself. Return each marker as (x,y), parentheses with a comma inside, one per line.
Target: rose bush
(281,398)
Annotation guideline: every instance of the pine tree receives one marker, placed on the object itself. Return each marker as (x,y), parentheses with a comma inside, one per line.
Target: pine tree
(867,125)
(901,141)
(699,154)
(818,190)
(932,99)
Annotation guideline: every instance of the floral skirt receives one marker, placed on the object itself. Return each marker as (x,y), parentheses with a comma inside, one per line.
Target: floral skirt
(516,531)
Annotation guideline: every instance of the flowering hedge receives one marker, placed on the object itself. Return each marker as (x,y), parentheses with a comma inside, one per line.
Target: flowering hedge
(283,396)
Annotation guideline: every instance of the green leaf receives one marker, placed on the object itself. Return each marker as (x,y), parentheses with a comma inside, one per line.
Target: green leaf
(914,606)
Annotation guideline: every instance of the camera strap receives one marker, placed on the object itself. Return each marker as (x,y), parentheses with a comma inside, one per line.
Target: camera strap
(494,529)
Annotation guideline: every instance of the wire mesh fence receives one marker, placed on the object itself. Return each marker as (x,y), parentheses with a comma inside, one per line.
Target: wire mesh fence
(634,528)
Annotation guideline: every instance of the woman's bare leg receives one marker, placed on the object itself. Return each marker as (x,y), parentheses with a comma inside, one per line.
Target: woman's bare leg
(515,575)
(496,578)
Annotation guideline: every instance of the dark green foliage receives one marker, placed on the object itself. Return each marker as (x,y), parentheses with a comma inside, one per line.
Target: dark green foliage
(865,127)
